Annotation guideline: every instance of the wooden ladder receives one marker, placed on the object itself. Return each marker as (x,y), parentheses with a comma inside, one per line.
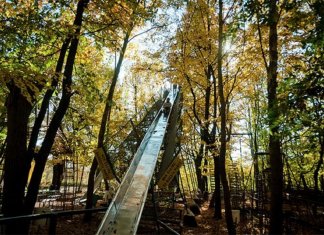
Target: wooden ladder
(211,179)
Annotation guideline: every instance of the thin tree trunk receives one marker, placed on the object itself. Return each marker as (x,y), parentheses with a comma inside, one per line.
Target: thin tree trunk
(198,161)
(319,163)
(105,119)
(90,189)
(47,97)
(57,177)
(276,165)
(322,182)
(254,148)
(303,180)
(81,178)
(217,193)
(41,157)
(222,154)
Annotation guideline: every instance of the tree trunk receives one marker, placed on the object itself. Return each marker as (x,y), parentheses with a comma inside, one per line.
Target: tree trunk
(276,165)
(319,163)
(222,154)
(57,176)
(15,165)
(41,157)
(47,97)
(81,179)
(198,161)
(254,147)
(103,127)
(217,193)
(90,189)
(303,180)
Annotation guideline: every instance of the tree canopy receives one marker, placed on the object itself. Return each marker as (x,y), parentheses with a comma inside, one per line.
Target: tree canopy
(72,73)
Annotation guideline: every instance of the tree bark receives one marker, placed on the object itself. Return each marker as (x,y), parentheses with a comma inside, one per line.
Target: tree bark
(217,192)
(105,119)
(223,139)
(47,97)
(319,162)
(81,179)
(276,165)
(41,157)
(198,161)
(57,177)
(15,165)
(90,189)
(254,146)
(18,156)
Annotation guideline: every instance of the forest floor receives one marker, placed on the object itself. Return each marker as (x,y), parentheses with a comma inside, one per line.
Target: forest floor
(75,225)
(206,225)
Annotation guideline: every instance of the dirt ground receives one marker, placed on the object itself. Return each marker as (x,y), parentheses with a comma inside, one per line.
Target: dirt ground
(206,225)
(75,225)
(68,225)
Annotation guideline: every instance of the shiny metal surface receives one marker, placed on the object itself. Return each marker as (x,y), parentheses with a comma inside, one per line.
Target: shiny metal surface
(124,213)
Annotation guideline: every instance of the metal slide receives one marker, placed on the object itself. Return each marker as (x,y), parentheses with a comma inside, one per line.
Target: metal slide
(130,143)
(124,212)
